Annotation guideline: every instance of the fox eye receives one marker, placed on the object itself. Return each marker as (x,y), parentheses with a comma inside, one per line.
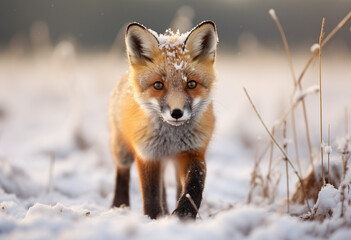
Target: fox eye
(158,85)
(191,84)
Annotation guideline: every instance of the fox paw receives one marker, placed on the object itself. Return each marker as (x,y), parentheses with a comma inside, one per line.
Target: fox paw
(184,214)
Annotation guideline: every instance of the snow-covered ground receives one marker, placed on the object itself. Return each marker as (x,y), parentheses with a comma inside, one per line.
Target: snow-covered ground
(57,103)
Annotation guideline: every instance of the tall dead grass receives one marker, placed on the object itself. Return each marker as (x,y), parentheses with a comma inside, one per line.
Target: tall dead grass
(308,186)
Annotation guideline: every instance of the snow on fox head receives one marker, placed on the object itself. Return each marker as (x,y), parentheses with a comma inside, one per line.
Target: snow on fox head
(172,74)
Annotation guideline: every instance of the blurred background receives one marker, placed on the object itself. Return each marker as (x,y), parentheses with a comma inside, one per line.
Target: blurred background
(59,61)
(95,24)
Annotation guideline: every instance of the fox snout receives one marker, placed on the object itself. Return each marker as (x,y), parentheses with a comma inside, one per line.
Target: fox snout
(175,108)
(176,116)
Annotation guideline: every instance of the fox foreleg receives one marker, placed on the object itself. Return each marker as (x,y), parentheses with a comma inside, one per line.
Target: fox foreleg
(192,173)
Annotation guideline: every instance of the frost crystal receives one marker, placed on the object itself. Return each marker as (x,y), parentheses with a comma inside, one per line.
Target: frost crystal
(343,144)
(328,149)
(314,47)
(287,141)
(272,13)
(314,89)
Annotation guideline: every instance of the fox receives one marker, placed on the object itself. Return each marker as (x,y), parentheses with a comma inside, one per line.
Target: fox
(162,110)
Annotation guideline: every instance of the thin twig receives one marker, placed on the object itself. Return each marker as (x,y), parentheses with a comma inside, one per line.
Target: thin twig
(192,203)
(285,42)
(320,97)
(268,176)
(271,154)
(285,157)
(345,154)
(293,122)
(285,146)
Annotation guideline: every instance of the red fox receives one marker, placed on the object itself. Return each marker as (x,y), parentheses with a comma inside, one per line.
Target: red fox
(162,109)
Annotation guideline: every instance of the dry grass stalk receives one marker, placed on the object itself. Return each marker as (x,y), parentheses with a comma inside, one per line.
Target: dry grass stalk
(194,205)
(345,157)
(346,152)
(285,146)
(307,129)
(295,140)
(285,115)
(293,123)
(271,154)
(268,176)
(257,178)
(51,172)
(254,175)
(320,96)
(285,156)
(253,184)
(329,180)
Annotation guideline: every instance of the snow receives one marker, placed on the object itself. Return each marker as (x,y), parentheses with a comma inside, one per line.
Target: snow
(59,104)
(170,39)
(179,66)
(314,47)
(328,199)
(171,44)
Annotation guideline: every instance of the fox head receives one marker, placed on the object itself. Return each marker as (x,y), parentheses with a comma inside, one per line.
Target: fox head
(172,74)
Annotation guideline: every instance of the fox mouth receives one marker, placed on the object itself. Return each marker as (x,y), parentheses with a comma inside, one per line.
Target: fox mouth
(175,122)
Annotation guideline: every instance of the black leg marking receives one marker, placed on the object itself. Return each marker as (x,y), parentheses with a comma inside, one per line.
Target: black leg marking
(122,187)
(195,172)
(150,181)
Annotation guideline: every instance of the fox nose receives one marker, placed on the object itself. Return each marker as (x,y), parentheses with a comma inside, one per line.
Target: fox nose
(177,113)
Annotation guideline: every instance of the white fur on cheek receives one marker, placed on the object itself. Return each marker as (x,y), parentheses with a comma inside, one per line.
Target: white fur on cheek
(149,106)
(154,102)
(196,101)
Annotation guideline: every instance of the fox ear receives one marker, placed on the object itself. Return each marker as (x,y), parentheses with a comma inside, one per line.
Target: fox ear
(202,42)
(142,45)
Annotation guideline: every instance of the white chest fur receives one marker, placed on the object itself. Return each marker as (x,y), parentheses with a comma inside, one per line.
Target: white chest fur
(165,141)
